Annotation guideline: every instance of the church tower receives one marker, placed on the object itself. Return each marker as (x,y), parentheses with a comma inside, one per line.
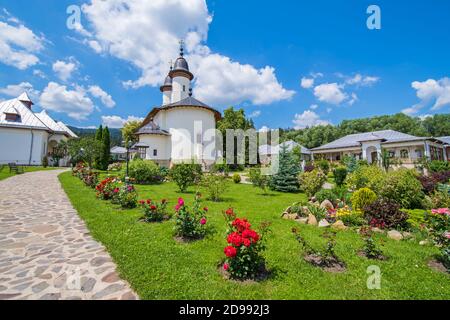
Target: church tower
(181,78)
(166,90)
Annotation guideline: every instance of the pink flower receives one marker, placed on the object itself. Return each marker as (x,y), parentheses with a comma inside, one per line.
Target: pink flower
(226,266)
(203,221)
(447,235)
(180,202)
(205,209)
(177,207)
(441,211)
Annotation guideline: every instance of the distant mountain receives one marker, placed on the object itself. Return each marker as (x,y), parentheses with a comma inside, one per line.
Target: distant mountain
(116,134)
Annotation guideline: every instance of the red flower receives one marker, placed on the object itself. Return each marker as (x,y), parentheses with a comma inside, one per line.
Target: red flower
(229,212)
(205,209)
(247,243)
(141,201)
(235,239)
(149,201)
(241,225)
(250,234)
(203,221)
(230,252)
(226,266)
(153,208)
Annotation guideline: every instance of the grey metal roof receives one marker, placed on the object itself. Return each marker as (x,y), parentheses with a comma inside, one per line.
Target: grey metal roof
(355,140)
(27,119)
(152,128)
(181,64)
(118,150)
(168,81)
(140,145)
(290,145)
(445,139)
(187,102)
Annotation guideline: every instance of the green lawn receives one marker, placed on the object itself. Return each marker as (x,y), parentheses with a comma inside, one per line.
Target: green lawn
(6,174)
(157,267)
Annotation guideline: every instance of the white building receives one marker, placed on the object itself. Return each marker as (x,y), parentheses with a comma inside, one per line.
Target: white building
(27,137)
(266,152)
(405,148)
(182,129)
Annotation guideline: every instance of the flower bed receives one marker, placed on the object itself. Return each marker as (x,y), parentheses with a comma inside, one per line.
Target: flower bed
(190,223)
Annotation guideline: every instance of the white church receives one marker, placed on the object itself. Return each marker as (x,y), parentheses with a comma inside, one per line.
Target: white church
(26,137)
(182,129)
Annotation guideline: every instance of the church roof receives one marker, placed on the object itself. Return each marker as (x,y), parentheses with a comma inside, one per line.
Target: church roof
(26,117)
(49,122)
(152,128)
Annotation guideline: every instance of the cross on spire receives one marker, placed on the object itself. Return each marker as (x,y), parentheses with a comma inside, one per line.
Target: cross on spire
(171,64)
(181,47)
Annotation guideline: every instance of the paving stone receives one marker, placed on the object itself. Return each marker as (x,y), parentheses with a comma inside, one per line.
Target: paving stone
(46,251)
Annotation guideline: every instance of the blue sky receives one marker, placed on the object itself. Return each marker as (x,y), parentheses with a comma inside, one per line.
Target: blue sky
(250,54)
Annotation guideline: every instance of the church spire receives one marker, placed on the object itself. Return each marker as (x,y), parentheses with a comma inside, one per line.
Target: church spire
(181,48)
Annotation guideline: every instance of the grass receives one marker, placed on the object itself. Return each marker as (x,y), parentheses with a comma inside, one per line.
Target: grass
(4,173)
(158,267)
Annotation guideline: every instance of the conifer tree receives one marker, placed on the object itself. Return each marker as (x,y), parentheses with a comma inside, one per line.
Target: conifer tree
(106,149)
(99,138)
(286,179)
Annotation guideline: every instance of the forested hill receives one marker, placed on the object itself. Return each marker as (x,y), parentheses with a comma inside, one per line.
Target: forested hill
(435,126)
(116,134)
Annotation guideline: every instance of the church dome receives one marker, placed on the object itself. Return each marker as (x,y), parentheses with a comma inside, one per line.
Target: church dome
(167,86)
(181,64)
(168,81)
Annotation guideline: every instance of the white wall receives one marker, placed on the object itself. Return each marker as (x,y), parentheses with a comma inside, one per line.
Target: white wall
(15,146)
(177,88)
(158,142)
(167,96)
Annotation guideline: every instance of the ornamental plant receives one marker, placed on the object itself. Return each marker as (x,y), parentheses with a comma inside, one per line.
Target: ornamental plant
(215,185)
(258,179)
(350,217)
(286,178)
(340,173)
(185,175)
(362,198)
(243,253)
(385,213)
(403,187)
(127,196)
(116,166)
(438,222)
(236,178)
(370,249)
(154,211)
(90,178)
(190,223)
(311,182)
(106,188)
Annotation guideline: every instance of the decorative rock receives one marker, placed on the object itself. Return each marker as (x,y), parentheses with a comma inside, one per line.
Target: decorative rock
(377,230)
(407,235)
(423,242)
(324,223)
(302,220)
(326,204)
(395,235)
(290,216)
(312,220)
(306,211)
(339,225)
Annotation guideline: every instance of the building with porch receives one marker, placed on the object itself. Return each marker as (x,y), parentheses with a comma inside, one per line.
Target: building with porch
(446,141)
(266,152)
(405,148)
(27,137)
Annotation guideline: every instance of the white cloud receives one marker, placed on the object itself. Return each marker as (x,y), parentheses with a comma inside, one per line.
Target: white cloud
(307,83)
(121,28)
(313,106)
(99,93)
(15,90)
(308,119)
(359,79)
(329,110)
(255,114)
(430,92)
(39,73)
(75,103)
(19,45)
(353,99)
(264,129)
(64,69)
(330,93)
(118,122)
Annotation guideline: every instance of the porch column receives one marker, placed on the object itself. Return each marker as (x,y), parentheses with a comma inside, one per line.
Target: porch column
(427,151)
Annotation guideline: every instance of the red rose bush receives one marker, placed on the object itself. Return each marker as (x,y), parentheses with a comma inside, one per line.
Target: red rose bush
(245,245)
(190,223)
(154,211)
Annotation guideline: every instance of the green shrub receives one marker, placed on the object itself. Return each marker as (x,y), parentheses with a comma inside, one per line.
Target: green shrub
(236,178)
(215,185)
(143,171)
(127,196)
(326,194)
(190,224)
(317,211)
(286,179)
(403,187)
(416,218)
(362,198)
(185,175)
(385,213)
(340,173)
(259,180)
(350,163)
(439,166)
(324,165)
(45,162)
(371,177)
(311,182)
(440,199)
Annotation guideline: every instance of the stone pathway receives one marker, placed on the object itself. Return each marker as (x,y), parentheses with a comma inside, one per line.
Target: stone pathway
(46,251)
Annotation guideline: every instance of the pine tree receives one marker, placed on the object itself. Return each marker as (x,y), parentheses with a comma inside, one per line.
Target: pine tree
(106,149)
(98,137)
(286,180)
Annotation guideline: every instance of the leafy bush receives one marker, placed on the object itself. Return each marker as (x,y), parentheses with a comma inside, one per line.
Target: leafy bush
(236,178)
(403,187)
(90,178)
(286,179)
(154,211)
(144,171)
(308,168)
(245,245)
(340,173)
(371,250)
(416,218)
(317,211)
(324,165)
(116,166)
(439,166)
(215,185)
(371,177)
(45,161)
(439,223)
(385,213)
(127,196)
(440,199)
(185,175)
(326,194)
(259,180)
(190,224)
(311,182)
(350,163)
(431,182)
(362,198)
(107,188)
(350,217)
